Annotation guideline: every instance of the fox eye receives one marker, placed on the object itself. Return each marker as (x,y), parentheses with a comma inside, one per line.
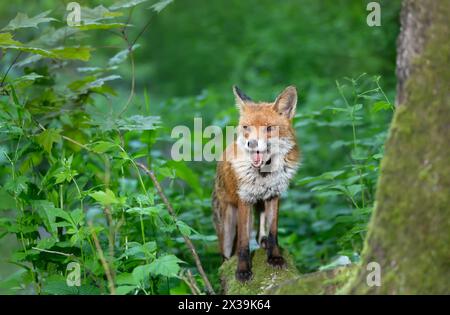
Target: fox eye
(269,128)
(245,127)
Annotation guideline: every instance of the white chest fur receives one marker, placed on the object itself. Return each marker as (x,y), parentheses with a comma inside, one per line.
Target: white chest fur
(255,185)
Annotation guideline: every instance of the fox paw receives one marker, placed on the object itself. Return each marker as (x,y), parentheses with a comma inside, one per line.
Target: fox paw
(244,275)
(276,261)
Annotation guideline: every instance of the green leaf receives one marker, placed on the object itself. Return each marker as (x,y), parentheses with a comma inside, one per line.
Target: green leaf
(91,82)
(100,81)
(148,199)
(359,154)
(47,138)
(354,189)
(138,251)
(98,13)
(377,156)
(324,176)
(380,105)
(103,146)
(338,109)
(79,53)
(16,281)
(56,285)
(107,197)
(149,247)
(121,56)
(139,122)
(100,26)
(167,266)
(65,175)
(185,229)
(47,243)
(33,50)
(6,200)
(357,107)
(141,273)
(46,210)
(123,4)
(17,185)
(28,77)
(126,278)
(95,69)
(150,211)
(125,289)
(201,237)
(23,21)
(50,37)
(77,216)
(331,174)
(7,39)
(161,5)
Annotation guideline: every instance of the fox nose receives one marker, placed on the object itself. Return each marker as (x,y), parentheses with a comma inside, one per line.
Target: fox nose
(252,143)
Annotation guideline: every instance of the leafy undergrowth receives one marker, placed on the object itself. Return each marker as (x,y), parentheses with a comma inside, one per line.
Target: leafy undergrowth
(331,281)
(87,220)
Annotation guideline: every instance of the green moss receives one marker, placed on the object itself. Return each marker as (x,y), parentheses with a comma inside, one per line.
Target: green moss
(322,282)
(268,280)
(264,276)
(409,232)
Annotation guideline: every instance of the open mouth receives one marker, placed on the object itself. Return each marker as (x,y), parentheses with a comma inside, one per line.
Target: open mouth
(257,158)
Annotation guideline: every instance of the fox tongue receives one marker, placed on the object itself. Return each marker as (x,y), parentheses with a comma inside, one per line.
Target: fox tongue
(256,158)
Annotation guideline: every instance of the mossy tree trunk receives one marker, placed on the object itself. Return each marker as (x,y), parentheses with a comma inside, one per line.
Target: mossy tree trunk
(409,232)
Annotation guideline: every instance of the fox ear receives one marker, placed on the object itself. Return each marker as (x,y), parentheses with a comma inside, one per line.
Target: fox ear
(241,98)
(286,102)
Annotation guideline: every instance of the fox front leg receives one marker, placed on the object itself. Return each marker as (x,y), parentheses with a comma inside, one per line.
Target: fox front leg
(274,257)
(243,272)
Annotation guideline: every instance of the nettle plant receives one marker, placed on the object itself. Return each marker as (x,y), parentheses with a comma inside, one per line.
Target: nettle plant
(72,188)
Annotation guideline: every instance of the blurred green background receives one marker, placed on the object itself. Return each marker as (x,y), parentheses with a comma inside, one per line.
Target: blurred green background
(193,52)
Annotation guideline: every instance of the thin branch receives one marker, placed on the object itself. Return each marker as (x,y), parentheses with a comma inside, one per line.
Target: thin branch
(75,142)
(9,68)
(130,52)
(142,31)
(64,137)
(112,288)
(111,236)
(52,252)
(133,79)
(192,284)
(187,240)
(130,13)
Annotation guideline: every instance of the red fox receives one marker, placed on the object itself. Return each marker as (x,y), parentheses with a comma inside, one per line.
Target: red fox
(253,172)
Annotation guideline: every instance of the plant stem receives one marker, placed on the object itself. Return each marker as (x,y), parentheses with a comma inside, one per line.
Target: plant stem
(112,288)
(79,193)
(61,200)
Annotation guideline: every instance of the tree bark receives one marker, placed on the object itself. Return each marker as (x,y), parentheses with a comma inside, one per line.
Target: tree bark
(415,19)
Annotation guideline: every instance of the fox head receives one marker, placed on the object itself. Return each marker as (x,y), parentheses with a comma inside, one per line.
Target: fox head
(265,128)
